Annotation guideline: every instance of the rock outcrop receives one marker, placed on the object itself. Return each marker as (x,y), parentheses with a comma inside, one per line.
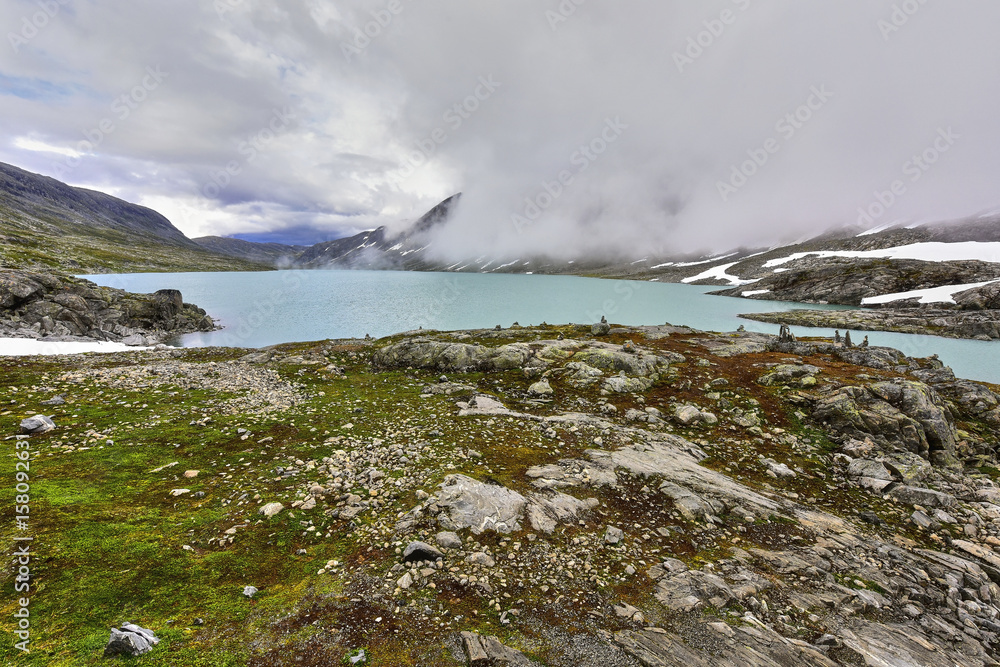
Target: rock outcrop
(58,307)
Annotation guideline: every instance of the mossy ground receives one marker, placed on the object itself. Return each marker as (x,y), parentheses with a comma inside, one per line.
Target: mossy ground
(110,539)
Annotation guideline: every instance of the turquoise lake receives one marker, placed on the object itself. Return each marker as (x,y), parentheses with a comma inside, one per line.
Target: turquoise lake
(266,308)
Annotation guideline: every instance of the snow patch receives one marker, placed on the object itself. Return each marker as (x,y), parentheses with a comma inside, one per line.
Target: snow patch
(932,251)
(719,273)
(931,295)
(704,261)
(755,292)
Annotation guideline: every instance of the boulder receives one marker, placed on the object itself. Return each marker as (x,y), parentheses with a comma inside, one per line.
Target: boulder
(37,425)
(130,641)
(866,468)
(448,540)
(541,388)
(416,552)
(468,503)
(489,652)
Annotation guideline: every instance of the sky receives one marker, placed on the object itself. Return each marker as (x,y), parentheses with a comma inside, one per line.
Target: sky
(573,128)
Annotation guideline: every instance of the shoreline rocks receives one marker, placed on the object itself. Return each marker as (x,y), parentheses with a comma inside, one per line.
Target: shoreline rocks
(59,307)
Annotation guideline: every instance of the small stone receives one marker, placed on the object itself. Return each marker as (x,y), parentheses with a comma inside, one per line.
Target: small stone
(271,509)
(613,535)
(405,582)
(250,591)
(191,474)
(541,388)
(179,492)
(480,558)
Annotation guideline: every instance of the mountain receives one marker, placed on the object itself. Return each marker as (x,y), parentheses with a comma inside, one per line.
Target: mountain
(377,249)
(263,253)
(45,223)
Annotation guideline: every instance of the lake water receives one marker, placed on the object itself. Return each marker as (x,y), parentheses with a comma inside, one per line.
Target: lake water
(266,308)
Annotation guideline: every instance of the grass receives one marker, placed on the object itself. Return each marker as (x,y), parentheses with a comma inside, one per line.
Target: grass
(110,539)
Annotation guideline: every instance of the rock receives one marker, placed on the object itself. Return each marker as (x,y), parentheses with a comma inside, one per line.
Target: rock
(467,503)
(250,591)
(131,641)
(601,329)
(866,468)
(489,652)
(481,559)
(358,658)
(921,519)
(927,497)
(191,474)
(613,535)
(271,509)
(416,552)
(57,400)
(405,582)
(422,353)
(904,412)
(448,540)
(790,374)
(686,415)
(179,492)
(546,512)
(37,425)
(541,388)
(779,470)
(625,385)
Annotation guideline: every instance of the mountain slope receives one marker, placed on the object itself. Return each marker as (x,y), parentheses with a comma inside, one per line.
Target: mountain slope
(264,253)
(47,224)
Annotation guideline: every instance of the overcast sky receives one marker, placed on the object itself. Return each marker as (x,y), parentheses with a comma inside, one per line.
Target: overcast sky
(572,126)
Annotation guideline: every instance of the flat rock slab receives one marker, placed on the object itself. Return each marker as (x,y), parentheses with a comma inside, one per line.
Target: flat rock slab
(468,503)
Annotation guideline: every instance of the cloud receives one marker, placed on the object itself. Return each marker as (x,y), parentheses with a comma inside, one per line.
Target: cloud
(573,127)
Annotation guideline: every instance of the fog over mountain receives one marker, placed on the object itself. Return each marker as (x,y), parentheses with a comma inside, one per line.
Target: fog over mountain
(573,127)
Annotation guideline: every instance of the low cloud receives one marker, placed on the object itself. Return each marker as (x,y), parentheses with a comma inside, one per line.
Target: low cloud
(573,127)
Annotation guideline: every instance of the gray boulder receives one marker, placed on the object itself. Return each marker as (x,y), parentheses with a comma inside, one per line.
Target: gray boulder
(130,641)
(468,503)
(37,425)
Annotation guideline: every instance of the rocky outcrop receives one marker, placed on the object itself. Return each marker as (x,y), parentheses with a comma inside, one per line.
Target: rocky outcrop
(971,324)
(847,281)
(904,414)
(56,306)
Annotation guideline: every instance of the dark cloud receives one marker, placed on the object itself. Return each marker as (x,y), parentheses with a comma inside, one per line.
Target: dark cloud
(573,127)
